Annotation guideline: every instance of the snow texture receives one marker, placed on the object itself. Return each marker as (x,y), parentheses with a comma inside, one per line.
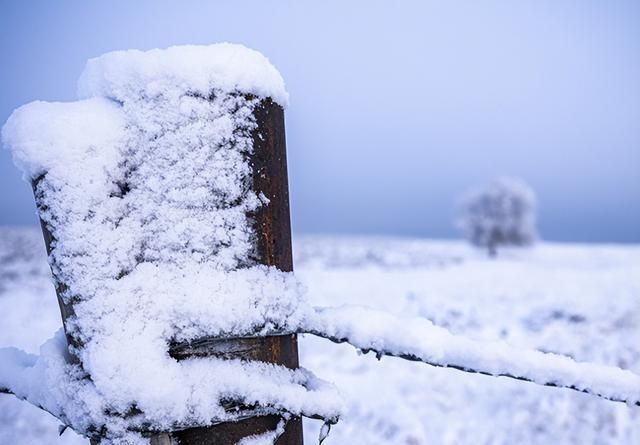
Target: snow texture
(146,188)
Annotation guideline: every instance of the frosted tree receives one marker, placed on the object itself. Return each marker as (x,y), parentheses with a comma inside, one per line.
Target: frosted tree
(503,213)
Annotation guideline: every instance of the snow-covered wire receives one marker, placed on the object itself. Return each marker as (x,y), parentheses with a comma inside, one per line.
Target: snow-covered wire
(420,340)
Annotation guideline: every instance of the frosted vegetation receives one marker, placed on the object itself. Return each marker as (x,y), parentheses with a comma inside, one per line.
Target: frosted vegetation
(145,185)
(503,213)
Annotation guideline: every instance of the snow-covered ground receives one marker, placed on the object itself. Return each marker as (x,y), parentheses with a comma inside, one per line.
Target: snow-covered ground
(578,300)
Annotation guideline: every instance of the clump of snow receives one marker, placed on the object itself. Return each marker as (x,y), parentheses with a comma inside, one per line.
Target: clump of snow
(147,190)
(58,137)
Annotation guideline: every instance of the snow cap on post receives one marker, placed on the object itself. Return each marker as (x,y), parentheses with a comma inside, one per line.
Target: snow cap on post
(190,69)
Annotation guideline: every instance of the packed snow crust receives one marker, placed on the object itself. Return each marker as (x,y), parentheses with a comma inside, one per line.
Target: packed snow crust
(146,188)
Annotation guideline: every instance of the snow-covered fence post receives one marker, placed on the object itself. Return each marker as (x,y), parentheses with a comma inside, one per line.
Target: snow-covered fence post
(273,248)
(271,224)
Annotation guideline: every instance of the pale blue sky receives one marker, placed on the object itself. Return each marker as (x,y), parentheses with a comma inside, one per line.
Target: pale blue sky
(396,107)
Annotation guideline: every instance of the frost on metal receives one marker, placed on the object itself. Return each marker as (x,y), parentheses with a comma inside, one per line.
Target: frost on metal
(145,186)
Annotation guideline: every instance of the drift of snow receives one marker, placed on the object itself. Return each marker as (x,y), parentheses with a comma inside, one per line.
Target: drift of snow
(147,191)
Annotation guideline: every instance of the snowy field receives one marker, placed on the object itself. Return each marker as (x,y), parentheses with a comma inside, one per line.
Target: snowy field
(579,300)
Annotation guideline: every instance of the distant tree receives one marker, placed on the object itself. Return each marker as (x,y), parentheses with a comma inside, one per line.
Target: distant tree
(502,213)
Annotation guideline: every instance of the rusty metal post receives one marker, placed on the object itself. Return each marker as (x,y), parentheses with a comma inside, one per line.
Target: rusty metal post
(272,226)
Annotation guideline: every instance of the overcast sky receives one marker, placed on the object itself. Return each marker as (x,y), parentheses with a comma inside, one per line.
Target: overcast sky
(396,107)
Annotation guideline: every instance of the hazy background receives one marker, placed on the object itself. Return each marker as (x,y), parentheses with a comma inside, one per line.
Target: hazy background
(396,107)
